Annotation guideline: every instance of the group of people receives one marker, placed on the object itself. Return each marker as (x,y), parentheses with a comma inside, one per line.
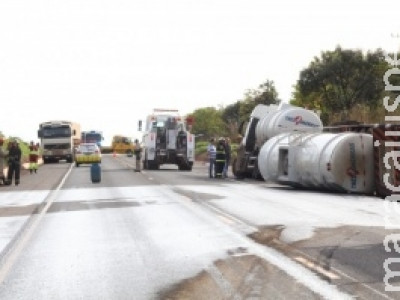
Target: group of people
(219,157)
(12,157)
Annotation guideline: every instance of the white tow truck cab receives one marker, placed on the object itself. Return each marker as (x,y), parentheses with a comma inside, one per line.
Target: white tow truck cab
(167,140)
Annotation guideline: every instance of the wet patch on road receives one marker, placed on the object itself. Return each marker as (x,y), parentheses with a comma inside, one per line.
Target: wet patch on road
(89,205)
(197,196)
(350,257)
(270,236)
(239,277)
(16,211)
(92,205)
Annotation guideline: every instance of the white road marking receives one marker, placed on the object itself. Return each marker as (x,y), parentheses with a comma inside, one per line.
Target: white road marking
(311,265)
(20,244)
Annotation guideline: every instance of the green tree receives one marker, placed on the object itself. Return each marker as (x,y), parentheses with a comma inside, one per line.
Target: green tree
(339,80)
(208,122)
(265,94)
(231,117)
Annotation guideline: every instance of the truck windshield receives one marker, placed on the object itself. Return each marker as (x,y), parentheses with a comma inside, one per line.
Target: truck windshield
(92,138)
(56,132)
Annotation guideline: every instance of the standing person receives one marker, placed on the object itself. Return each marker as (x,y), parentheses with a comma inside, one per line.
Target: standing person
(3,155)
(33,157)
(228,151)
(138,154)
(220,158)
(212,153)
(14,162)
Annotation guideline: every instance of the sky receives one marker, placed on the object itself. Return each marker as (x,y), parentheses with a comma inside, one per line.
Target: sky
(107,64)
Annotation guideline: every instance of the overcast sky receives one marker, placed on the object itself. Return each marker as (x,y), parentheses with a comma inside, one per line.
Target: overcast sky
(107,64)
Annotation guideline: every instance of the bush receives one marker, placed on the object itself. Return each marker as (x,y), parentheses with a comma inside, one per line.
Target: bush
(201,147)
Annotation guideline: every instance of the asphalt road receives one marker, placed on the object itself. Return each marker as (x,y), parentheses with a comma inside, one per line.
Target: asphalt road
(172,234)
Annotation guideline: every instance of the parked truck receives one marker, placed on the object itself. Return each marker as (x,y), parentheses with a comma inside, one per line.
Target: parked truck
(167,140)
(58,140)
(122,145)
(267,121)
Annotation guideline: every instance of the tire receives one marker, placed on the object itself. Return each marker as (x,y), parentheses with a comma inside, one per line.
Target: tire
(145,163)
(153,165)
(237,173)
(185,166)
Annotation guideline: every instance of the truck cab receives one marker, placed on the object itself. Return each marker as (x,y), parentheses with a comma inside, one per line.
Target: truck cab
(166,140)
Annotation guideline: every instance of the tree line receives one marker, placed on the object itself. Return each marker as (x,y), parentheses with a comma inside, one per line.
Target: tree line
(343,86)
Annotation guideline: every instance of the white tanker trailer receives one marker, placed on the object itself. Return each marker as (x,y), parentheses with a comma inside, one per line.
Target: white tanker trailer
(287,145)
(342,162)
(266,122)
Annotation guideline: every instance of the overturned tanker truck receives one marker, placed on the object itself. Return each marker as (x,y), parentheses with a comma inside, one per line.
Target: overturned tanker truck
(267,121)
(288,145)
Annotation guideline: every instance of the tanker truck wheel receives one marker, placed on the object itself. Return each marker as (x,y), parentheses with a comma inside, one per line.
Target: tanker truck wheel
(235,171)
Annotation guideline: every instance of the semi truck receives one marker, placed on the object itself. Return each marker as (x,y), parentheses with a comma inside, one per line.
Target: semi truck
(265,122)
(167,140)
(58,139)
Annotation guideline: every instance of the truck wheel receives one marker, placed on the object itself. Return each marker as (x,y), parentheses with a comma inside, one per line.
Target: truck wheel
(154,165)
(235,171)
(185,166)
(145,162)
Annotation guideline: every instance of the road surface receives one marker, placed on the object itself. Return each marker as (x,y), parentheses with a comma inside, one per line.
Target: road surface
(170,234)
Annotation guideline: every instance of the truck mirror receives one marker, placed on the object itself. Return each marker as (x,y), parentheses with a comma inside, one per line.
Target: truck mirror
(40,133)
(140,125)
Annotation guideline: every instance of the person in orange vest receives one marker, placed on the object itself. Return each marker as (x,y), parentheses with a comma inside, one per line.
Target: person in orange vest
(33,157)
